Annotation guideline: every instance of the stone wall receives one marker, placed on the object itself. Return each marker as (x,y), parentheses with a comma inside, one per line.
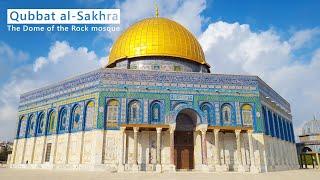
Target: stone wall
(98,149)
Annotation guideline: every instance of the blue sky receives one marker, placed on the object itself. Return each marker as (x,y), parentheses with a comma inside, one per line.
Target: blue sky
(265,37)
(285,16)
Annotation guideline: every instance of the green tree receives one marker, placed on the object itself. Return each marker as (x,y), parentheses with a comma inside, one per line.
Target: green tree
(4,153)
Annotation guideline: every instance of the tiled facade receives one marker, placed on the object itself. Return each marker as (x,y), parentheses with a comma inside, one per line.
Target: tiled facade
(95,145)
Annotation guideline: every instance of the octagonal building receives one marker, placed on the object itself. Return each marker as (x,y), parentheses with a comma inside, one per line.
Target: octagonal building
(155,107)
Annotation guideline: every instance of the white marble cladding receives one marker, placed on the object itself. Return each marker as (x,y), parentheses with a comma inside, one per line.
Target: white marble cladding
(104,150)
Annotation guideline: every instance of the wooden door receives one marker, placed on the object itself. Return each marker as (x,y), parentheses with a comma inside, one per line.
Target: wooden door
(184,149)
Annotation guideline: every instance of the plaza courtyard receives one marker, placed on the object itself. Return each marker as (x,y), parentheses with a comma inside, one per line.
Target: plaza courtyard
(18,174)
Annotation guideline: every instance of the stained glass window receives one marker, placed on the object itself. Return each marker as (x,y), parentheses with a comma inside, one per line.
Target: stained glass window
(134,111)
(76,114)
(226,113)
(133,66)
(112,114)
(246,111)
(40,123)
(156,67)
(63,119)
(177,68)
(23,126)
(90,120)
(51,124)
(206,110)
(32,125)
(155,112)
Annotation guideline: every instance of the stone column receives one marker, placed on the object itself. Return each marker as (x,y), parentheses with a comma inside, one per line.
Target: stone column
(204,146)
(135,149)
(123,145)
(313,159)
(172,129)
(253,167)
(239,155)
(318,161)
(217,158)
(218,166)
(158,166)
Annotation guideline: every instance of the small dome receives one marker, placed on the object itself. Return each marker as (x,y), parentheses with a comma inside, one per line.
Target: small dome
(311,127)
(156,37)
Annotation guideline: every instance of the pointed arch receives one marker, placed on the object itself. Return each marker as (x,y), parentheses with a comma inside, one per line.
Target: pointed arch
(22,127)
(207,110)
(51,122)
(155,112)
(134,112)
(90,121)
(226,113)
(246,115)
(63,120)
(76,122)
(112,114)
(40,124)
(31,127)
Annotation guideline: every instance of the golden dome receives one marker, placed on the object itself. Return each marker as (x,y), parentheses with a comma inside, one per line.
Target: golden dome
(156,37)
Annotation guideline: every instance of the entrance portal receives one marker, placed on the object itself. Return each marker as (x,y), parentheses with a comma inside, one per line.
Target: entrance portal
(183,139)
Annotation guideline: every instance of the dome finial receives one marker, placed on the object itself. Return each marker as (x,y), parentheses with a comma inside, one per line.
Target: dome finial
(156,8)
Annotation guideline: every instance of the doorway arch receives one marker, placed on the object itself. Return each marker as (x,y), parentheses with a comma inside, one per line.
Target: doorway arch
(186,122)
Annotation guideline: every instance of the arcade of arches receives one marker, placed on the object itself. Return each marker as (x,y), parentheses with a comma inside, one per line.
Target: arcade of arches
(188,143)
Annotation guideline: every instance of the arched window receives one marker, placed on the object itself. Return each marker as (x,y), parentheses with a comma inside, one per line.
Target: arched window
(23,127)
(265,119)
(76,114)
(134,112)
(205,108)
(40,123)
(89,119)
(155,112)
(32,125)
(226,113)
(51,122)
(112,114)
(63,123)
(246,114)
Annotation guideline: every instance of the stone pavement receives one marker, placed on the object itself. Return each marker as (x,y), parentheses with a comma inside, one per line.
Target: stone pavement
(23,174)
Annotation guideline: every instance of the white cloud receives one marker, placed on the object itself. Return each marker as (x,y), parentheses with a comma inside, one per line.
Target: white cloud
(39,63)
(235,48)
(187,12)
(10,58)
(103,61)
(299,38)
(61,62)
